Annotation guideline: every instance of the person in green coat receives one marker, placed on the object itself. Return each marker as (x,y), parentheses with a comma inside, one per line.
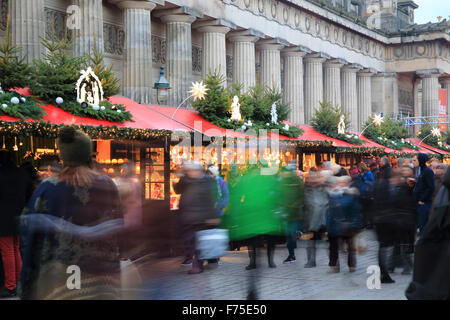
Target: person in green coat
(253,215)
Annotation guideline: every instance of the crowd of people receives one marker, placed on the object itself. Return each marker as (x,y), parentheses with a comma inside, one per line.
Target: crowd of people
(75,215)
(329,202)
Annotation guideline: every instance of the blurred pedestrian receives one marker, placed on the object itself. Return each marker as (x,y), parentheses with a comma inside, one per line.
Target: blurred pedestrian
(424,188)
(197,209)
(344,221)
(315,214)
(291,200)
(439,172)
(431,279)
(82,197)
(222,196)
(366,183)
(15,185)
(384,229)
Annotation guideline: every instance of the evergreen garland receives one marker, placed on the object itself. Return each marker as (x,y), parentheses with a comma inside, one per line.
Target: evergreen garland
(24,110)
(390,133)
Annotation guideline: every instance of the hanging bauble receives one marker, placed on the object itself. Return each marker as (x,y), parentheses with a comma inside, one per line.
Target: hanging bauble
(84,105)
(119,111)
(102,108)
(113,108)
(4,106)
(59,100)
(95,107)
(23,100)
(15,100)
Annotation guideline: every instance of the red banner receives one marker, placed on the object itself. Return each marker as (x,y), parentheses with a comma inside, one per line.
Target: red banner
(443,109)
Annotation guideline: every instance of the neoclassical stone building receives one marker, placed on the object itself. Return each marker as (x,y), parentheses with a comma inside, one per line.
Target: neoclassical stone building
(366,56)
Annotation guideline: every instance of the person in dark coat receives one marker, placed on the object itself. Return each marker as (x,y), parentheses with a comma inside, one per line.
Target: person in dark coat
(431,279)
(424,188)
(197,208)
(15,186)
(344,220)
(383,226)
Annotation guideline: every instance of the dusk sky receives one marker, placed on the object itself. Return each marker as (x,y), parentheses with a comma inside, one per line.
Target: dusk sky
(429,10)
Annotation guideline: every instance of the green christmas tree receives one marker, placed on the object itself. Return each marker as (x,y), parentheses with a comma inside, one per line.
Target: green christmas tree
(215,105)
(57,74)
(107,77)
(15,72)
(326,119)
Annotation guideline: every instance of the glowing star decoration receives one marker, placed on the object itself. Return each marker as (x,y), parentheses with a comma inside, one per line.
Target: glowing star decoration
(378,120)
(198,90)
(89,88)
(341,125)
(235,110)
(436,132)
(274,114)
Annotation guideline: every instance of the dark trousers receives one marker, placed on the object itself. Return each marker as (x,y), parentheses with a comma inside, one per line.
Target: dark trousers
(189,232)
(291,237)
(334,251)
(423,211)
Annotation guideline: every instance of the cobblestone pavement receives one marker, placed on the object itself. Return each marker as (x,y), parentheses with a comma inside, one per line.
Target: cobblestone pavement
(166,279)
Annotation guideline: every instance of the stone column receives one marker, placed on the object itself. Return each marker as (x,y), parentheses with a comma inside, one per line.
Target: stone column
(391,93)
(27,26)
(446,85)
(349,94)
(293,82)
(430,92)
(178,50)
(137,67)
(214,46)
(332,81)
(313,83)
(364,86)
(244,69)
(91,27)
(378,93)
(271,62)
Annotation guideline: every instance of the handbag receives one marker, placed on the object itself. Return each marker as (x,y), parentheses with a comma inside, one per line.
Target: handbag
(212,243)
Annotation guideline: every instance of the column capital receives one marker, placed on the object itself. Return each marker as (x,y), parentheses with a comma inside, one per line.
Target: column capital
(336,63)
(181,14)
(353,67)
(249,35)
(318,57)
(146,4)
(429,73)
(298,51)
(272,44)
(217,26)
(368,72)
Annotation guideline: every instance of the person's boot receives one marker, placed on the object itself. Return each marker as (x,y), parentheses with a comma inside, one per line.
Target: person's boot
(270,253)
(407,260)
(311,254)
(252,256)
(384,255)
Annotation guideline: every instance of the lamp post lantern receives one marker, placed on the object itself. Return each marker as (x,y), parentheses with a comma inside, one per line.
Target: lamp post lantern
(162,87)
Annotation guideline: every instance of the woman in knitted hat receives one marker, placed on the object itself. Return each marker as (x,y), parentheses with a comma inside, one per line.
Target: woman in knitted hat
(81,196)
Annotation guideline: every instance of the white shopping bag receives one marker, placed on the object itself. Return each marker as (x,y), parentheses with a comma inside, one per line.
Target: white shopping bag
(212,243)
